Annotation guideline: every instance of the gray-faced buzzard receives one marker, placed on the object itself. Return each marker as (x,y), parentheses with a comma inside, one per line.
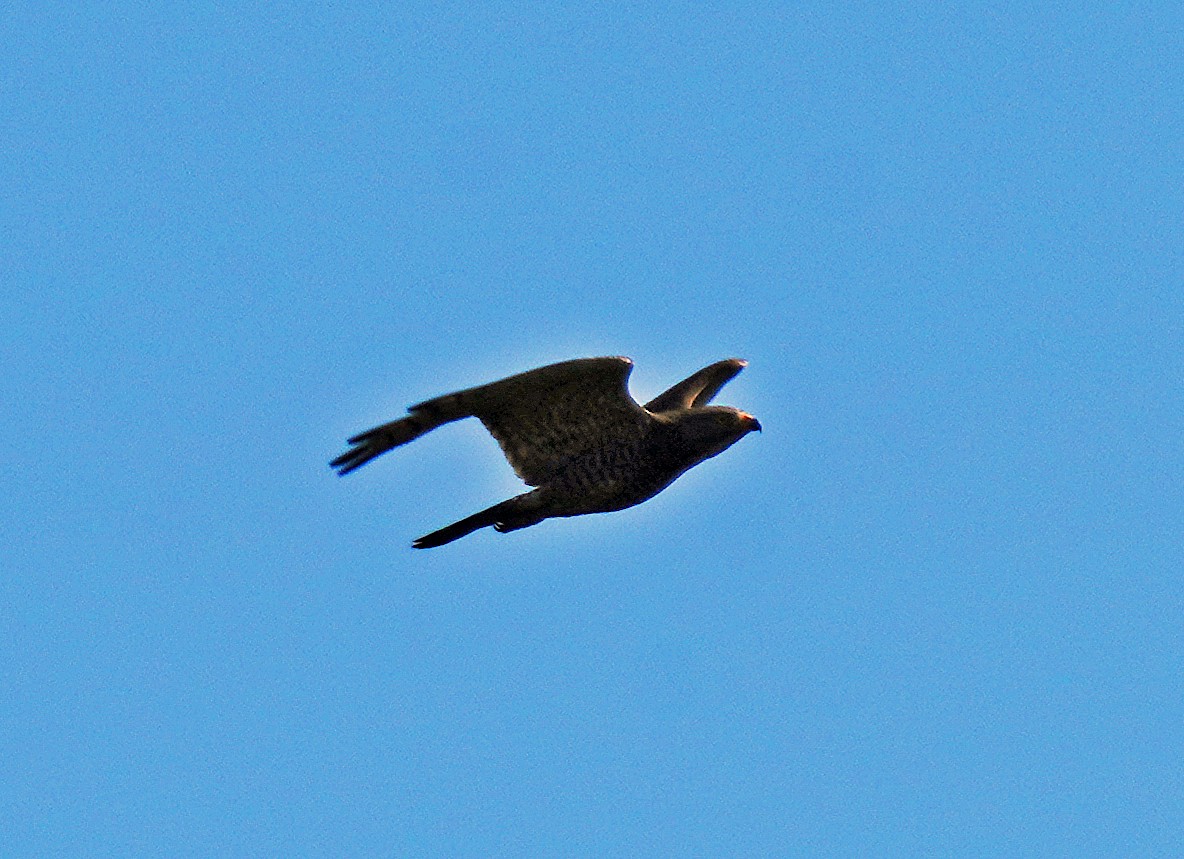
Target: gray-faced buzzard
(573,431)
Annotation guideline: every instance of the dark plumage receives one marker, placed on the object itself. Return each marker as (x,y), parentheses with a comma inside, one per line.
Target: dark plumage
(573,431)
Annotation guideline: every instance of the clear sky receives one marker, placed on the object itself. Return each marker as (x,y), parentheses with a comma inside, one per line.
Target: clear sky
(935,609)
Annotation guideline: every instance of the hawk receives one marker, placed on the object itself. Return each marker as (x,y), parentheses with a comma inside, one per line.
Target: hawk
(572,431)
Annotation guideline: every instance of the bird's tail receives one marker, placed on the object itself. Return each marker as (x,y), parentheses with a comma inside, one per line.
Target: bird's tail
(459,529)
(506,516)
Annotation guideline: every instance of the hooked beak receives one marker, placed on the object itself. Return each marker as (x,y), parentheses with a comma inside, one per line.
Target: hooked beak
(750,423)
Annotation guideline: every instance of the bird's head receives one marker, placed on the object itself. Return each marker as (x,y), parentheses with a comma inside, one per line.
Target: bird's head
(710,430)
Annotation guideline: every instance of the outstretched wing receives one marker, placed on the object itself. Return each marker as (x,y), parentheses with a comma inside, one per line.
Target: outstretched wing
(544,417)
(697,390)
(541,418)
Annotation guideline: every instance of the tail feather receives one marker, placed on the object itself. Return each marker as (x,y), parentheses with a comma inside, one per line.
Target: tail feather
(468,525)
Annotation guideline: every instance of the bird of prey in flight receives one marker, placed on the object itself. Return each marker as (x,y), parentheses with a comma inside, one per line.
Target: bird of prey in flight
(572,431)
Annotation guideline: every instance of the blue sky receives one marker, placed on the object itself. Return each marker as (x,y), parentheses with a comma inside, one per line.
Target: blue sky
(934,609)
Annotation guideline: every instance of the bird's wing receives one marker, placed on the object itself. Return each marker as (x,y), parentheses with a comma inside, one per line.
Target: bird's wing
(545,417)
(698,389)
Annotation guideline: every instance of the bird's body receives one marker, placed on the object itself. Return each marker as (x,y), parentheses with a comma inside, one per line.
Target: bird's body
(572,431)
